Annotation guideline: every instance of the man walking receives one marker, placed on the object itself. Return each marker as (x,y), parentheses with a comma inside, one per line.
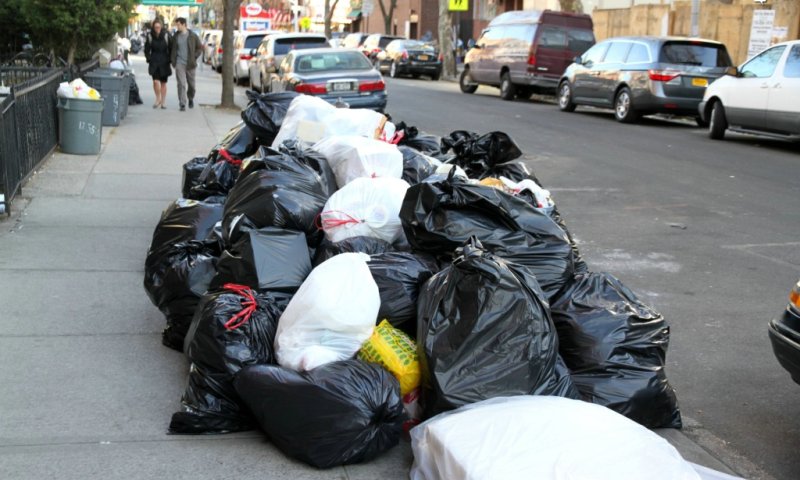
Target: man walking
(186,48)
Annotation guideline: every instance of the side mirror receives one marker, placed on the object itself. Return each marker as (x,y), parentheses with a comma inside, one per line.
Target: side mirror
(732,71)
(253,52)
(470,43)
(578,60)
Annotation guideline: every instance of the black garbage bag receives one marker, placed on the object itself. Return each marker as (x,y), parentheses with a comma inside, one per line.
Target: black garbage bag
(233,328)
(133,93)
(240,142)
(368,245)
(337,414)
(175,278)
(479,154)
(420,141)
(265,112)
(399,276)
(217,177)
(616,347)
(439,217)
(484,331)
(192,170)
(313,159)
(276,191)
(184,220)
(416,167)
(265,259)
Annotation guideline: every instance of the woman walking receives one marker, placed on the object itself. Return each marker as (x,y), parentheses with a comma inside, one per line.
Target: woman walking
(156,51)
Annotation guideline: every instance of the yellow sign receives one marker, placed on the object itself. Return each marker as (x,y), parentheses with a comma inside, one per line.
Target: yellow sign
(459,5)
(305,23)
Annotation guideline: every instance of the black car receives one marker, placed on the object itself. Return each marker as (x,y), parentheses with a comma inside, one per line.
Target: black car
(410,57)
(376,43)
(784,333)
(333,74)
(644,75)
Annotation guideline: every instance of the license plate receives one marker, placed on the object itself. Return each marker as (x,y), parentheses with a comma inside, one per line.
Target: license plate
(342,87)
(423,58)
(699,82)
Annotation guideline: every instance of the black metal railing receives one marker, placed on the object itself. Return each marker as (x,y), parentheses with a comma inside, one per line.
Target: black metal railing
(28,125)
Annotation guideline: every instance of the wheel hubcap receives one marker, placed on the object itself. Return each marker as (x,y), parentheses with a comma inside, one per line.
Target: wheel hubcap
(623,104)
(564,99)
(394,69)
(504,87)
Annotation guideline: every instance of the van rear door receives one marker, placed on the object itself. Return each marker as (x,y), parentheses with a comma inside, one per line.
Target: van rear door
(560,38)
(688,66)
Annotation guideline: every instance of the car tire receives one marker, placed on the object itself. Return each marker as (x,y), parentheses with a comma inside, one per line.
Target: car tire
(507,89)
(393,70)
(624,110)
(565,103)
(700,122)
(435,76)
(465,83)
(718,123)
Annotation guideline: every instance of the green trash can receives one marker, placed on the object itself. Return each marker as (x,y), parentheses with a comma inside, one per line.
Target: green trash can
(111,85)
(128,75)
(80,125)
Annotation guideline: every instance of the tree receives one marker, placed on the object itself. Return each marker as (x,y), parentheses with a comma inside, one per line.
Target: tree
(230,10)
(446,40)
(329,9)
(12,26)
(67,26)
(388,14)
(571,6)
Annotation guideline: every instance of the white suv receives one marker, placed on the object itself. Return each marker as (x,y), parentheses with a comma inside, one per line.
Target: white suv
(762,96)
(244,43)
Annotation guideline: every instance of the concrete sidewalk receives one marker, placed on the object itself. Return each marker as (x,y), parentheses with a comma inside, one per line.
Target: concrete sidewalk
(88,389)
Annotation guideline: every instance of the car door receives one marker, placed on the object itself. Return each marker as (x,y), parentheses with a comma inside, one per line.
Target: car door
(610,71)
(279,79)
(746,106)
(585,80)
(783,104)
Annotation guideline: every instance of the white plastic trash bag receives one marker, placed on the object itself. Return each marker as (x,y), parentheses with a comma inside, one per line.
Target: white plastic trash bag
(330,316)
(352,157)
(310,119)
(368,207)
(77,89)
(541,437)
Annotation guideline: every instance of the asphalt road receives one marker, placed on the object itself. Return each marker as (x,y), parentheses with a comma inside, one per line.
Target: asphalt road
(707,231)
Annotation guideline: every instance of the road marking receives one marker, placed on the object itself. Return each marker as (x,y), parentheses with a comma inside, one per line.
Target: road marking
(747,248)
(585,189)
(621,261)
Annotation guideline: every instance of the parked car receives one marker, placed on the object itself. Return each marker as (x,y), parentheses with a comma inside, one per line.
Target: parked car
(333,75)
(376,43)
(273,49)
(784,333)
(210,40)
(410,57)
(644,75)
(337,39)
(762,96)
(354,40)
(244,45)
(523,52)
(216,59)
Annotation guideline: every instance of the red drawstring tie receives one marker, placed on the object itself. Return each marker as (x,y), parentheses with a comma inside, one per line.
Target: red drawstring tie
(228,158)
(328,223)
(249,305)
(398,136)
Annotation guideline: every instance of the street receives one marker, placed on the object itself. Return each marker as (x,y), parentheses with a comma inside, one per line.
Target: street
(706,231)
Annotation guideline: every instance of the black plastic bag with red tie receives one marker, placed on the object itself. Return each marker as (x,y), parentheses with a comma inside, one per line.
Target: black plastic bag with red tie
(233,327)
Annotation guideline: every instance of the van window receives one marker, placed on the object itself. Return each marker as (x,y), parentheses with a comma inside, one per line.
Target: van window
(695,53)
(617,52)
(594,54)
(252,41)
(286,45)
(792,68)
(638,54)
(764,64)
(520,35)
(491,36)
(553,37)
(578,40)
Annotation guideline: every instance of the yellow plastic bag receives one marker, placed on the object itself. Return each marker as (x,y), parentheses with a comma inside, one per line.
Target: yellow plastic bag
(395,351)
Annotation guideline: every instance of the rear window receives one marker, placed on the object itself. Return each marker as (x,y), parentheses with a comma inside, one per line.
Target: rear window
(579,40)
(286,45)
(792,68)
(331,61)
(696,54)
(386,41)
(252,41)
(416,44)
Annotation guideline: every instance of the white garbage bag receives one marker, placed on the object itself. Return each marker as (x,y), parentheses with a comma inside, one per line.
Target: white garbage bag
(541,437)
(351,157)
(77,89)
(368,207)
(330,316)
(310,119)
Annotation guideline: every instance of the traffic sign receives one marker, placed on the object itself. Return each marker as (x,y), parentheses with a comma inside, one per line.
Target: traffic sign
(367,6)
(459,5)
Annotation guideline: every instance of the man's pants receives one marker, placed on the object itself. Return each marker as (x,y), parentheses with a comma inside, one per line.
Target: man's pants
(185,78)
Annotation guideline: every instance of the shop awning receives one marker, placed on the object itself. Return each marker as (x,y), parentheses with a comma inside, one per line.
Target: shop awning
(354,14)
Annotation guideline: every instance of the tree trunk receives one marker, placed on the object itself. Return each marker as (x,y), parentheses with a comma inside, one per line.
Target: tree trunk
(230,10)
(446,40)
(387,14)
(329,9)
(73,47)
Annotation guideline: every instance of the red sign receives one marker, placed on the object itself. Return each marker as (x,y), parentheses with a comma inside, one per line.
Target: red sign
(253,10)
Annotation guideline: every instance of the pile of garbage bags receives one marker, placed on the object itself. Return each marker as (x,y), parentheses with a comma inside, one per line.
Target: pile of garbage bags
(335,279)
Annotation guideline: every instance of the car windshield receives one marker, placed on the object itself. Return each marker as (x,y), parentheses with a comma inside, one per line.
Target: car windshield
(331,61)
(253,41)
(695,53)
(286,45)
(417,45)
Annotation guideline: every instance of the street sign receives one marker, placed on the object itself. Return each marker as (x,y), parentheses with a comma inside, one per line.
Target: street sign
(459,5)
(367,6)
(760,31)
